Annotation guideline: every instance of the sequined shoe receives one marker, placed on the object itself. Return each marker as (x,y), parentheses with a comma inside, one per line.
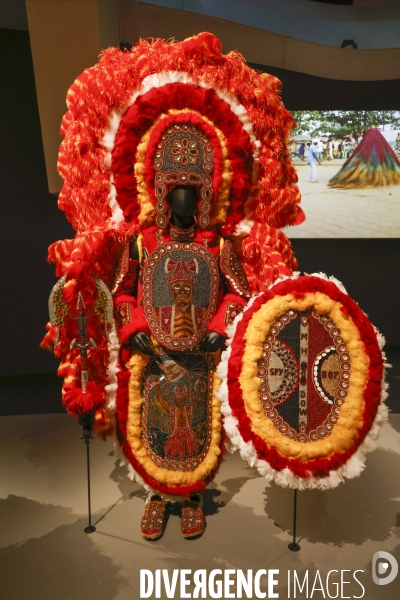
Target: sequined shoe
(193,522)
(153,520)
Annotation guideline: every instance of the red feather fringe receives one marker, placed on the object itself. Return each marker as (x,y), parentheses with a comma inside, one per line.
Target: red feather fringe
(118,75)
(142,114)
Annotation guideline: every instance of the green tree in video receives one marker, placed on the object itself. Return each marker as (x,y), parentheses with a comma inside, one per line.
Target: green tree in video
(343,122)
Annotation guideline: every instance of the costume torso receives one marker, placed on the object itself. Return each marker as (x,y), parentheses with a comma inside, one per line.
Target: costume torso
(189,282)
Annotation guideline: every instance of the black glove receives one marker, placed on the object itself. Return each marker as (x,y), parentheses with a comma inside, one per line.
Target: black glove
(212,341)
(141,341)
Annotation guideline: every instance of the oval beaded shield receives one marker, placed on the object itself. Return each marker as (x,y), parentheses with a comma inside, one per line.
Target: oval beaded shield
(304,383)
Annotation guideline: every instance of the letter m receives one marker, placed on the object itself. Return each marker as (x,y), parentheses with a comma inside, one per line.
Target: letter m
(305,583)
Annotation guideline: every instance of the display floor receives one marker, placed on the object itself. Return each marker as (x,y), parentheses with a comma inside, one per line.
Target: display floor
(45,555)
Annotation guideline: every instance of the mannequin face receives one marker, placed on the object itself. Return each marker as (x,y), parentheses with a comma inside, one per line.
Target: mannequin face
(183,200)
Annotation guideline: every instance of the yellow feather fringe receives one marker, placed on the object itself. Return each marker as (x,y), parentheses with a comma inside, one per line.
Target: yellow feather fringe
(147,212)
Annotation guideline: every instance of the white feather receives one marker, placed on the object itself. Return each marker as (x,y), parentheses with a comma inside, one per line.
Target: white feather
(244,226)
(112,370)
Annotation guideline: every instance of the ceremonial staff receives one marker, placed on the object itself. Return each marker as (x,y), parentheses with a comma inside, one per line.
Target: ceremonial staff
(83,345)
(59,310)
(86,421)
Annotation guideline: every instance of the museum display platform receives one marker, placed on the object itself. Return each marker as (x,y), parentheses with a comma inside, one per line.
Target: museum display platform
(45,553)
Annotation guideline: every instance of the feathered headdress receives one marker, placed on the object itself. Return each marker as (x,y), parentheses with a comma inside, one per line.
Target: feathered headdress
(125,116)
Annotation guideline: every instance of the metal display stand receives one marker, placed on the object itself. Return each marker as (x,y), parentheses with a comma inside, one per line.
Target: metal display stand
(294,546)
(87,436)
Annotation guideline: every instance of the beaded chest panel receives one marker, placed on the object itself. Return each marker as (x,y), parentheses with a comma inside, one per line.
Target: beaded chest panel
(180,292)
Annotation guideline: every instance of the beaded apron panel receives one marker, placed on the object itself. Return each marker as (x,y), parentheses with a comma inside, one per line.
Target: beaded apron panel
(177,409)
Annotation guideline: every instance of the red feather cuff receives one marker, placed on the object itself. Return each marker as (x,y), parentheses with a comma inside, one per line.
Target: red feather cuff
(78,402)
(137,323)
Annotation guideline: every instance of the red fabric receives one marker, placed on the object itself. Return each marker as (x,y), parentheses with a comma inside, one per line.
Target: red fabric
(129,281)
(320,339)
(138,323)
(318,467)
(373,163)
(373,147)
(218,323)
(137,319)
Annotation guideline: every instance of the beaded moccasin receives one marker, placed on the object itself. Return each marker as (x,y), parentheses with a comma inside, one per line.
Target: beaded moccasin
(153,520)
(193,522)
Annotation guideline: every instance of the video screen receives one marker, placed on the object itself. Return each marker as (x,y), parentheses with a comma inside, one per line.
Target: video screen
(348,165)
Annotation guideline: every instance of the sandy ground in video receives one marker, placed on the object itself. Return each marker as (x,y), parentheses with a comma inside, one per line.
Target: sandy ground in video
(336,213)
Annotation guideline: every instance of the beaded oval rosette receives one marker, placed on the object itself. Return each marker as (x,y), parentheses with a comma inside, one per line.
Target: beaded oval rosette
(303,383)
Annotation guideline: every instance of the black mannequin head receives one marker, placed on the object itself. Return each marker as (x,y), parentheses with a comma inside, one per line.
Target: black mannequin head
(183,200)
